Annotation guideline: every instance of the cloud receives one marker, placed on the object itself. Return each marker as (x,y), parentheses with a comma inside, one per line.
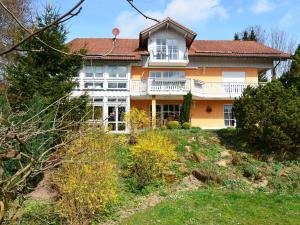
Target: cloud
(262,6)
(187,12)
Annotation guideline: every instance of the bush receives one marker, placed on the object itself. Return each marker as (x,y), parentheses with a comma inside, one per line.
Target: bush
(87,179)
(137,120)
(269,117)
(250,171)
(173,125)
(163,127)
(186,126)
(151,157)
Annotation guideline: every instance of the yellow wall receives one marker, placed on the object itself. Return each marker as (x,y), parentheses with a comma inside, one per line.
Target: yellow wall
(199,115)
(204,74)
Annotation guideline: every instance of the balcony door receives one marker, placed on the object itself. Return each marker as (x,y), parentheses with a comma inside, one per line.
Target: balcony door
(166,112)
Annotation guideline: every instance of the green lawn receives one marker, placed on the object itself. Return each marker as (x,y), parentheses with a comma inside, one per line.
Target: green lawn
(221,207)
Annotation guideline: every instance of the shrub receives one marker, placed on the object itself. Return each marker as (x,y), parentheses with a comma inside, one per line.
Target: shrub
(87,179)
(163,127)
(186,108)
(136,119)
(269,117)
(250,171)
(151,157)
(186,126)
(173,125)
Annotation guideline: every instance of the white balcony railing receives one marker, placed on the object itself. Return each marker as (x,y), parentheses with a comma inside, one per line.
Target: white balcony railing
(183,86)
(176,59)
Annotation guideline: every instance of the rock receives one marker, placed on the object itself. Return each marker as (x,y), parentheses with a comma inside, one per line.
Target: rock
(199,157)
(183,170)
(226,154)
(261,184)
(188,148)
(170,177)
(259,176)
(215,140)
(202,140)
(205,177)
(180,159)
(223,163)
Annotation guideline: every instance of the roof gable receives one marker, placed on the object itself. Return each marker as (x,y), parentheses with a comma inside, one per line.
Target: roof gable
(188,34)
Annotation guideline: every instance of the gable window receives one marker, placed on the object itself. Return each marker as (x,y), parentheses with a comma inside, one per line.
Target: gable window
(229,119)
(166,49)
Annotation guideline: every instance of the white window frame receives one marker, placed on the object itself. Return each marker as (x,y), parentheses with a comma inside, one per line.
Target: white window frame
(118,75)
(94,86)
(117,82)
(231,120)
(167,75)
(93,70)
(166,49)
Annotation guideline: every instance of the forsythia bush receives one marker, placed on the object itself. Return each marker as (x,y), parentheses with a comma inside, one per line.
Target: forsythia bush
(136,119)
(151,157)
(173,125)
(87,179)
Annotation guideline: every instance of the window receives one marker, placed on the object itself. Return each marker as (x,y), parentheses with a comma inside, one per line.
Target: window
(93,71)
(116,118)
(116,100)
(167,74)
(166,113)
(117,85)
(229,119)
(166,48)
(93,85)
(117,72)
(95,113)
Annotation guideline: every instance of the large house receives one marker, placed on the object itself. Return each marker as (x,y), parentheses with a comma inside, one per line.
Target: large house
(155,71)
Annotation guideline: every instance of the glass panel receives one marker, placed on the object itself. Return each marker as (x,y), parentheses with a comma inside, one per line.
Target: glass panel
(98,100)
(158,108)
(112,85)
(121,99)
(122,85)
(98,113)
(112,71)
(88,85)
(98,85)
(90,113)
(177,108)
(112,100)
(89,71)
(111,113)
(171,108)
(121,113)
(121,126)
(122,71)
(112,126)
(166,108)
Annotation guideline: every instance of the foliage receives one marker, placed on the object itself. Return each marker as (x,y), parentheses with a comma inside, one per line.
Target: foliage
(250,171)
(173,125)
(246,35)
(151,157)
(46,73)
(137,120)
(269,117)
(186,108)
(87,179)
(186,126)
(292,77)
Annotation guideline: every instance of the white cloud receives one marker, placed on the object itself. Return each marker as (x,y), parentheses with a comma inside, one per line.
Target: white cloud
(262,6)
(186,12)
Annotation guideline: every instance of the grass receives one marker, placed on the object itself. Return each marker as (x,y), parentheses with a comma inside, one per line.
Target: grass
(221,207)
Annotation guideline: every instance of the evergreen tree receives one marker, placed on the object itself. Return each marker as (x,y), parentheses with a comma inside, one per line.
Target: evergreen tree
(46,73)
(186,108)
(236,37)
(245,36)
(292,78)
(252,36)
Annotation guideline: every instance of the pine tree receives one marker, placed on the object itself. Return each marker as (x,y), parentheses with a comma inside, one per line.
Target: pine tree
(236,37)
(292,77)
(186,108)
(252,36)
(42,71)
(245,36)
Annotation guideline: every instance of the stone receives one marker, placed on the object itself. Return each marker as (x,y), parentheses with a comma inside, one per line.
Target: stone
(223,163)
(180,159)
(261,184)
(226,154)
(188,148)
(198,157)
(183,170)
(170,177)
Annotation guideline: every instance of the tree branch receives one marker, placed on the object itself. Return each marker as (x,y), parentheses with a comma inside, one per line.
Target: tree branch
(140,12)
(68,15)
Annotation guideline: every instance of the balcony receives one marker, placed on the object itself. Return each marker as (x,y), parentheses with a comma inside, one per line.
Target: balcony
(164,59)
(198,88)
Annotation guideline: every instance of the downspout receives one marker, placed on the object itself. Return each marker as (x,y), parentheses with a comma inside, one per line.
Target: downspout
(274,70)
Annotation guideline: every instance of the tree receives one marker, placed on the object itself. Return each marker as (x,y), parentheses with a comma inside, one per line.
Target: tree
(236,37)
(268,118)
(292,77)
(186,108)
(41,70)
(9,29)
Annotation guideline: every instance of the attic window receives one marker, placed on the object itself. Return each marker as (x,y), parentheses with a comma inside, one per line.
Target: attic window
(166,49)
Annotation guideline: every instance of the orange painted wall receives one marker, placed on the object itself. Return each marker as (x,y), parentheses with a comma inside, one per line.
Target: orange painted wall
(207,75)
(199,116)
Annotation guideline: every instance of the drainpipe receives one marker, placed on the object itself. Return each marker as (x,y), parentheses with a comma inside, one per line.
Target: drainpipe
(273,71)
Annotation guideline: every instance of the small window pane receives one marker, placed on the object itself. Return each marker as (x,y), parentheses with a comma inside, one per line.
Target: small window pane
(111,113)
(112,85)
(121,126)
(98,113)
(88,85)
(121,113)
(122,85)
(98,85)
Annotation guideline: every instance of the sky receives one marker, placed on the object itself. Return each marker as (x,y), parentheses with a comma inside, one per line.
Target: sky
(210,19)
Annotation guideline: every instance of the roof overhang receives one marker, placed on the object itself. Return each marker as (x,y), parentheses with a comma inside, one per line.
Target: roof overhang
(188,34)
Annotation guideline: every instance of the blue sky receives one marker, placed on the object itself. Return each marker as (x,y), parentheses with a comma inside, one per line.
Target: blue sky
(211,19)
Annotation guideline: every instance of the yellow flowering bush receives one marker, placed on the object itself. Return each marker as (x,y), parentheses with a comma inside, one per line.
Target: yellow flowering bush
(136,119)
(87,179)
(151,156)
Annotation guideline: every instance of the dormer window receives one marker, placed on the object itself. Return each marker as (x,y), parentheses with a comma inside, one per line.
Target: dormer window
(166,49)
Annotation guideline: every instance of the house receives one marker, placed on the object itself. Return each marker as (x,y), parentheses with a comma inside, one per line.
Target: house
(155,71)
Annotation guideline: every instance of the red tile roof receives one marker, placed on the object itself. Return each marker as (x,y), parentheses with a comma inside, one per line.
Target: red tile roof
(128,49)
